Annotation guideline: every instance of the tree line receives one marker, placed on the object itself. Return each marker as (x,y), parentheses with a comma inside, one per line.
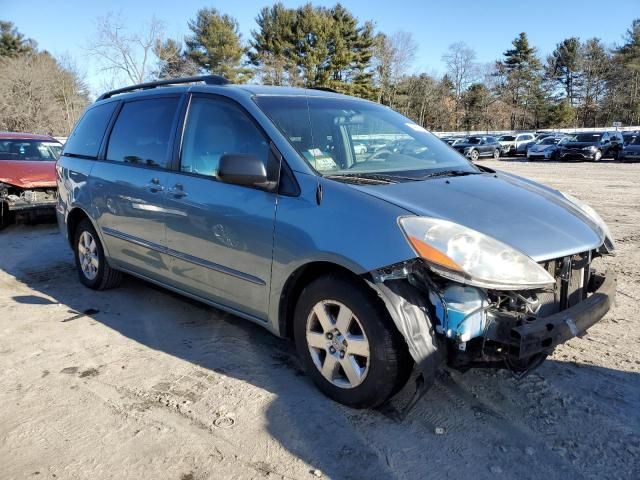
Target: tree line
(582,83)
(38,93)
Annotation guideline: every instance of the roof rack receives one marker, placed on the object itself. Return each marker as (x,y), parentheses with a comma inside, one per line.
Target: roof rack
(208,79)
(324,89)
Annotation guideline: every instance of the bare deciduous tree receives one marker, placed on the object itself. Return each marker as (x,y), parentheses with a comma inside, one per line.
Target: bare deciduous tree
(392,59)
(128,57)
(462,72)
(38,94)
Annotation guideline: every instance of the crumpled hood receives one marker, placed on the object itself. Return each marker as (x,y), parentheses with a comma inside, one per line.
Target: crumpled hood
(28,173)
(530,217)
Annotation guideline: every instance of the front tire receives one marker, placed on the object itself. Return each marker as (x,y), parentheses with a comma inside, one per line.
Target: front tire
(597,156)
(348,344)
(496,154)
(93,270)
(474,155)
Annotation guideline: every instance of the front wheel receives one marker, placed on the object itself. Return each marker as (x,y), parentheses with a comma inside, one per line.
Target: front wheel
(474,155)
(496,154)
(597,156)
(93,270)
(348,344)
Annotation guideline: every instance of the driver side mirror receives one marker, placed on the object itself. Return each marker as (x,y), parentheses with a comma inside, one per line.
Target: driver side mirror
(246,170)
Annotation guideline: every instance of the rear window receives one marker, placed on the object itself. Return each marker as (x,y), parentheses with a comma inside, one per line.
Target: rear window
(29,150)
(86,137)
(142,132)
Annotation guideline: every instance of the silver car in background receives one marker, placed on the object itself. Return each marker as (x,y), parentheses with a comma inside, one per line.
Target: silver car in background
(375,261)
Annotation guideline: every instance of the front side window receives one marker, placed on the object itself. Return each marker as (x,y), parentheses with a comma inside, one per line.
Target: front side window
(342,137)
(142,132)
(33,150)
(216,127)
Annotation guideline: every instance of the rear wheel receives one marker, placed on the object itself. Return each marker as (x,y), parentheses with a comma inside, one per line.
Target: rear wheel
(348,343)
(93,270)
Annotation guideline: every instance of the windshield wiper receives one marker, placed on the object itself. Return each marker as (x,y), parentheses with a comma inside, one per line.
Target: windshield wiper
(450,173)
(379,177)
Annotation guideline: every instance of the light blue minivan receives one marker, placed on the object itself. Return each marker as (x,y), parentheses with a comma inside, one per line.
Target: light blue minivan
(334,221)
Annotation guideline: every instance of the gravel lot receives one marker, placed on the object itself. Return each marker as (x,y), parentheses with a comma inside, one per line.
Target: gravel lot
(140,383)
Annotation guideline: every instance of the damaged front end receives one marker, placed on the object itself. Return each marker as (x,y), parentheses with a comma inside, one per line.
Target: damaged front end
(28,203)
(468,326)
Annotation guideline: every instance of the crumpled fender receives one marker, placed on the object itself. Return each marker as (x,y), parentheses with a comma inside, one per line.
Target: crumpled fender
(409,311)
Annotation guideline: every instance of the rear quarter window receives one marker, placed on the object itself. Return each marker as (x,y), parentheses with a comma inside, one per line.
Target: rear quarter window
(86,137)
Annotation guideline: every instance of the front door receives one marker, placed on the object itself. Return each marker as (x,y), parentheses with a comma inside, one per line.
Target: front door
(128,186)
(220,236)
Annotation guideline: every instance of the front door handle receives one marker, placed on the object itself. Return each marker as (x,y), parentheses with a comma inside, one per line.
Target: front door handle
(154,186)
(177,191)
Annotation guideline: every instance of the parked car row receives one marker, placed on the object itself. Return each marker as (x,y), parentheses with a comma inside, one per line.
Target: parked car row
(590,146)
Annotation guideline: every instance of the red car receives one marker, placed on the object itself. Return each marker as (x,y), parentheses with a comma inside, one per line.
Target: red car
(27,175)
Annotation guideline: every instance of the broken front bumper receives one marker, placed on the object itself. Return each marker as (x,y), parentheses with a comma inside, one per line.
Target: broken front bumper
(542,335)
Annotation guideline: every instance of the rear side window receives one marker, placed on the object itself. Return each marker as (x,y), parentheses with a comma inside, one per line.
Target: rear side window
(86,137)
(142,132)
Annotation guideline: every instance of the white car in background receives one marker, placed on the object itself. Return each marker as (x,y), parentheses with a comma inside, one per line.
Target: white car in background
(514,144)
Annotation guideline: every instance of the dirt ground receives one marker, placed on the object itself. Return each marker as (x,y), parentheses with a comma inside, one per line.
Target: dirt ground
(140,383)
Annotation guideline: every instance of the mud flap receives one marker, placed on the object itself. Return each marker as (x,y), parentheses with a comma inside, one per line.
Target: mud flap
(409,310)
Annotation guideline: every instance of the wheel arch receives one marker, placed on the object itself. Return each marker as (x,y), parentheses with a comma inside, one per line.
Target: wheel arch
(74,217)
(300,278)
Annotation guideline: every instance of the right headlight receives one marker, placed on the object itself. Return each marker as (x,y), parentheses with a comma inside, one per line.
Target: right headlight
(468,256)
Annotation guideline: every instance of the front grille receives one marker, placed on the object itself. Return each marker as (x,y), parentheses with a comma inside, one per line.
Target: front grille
(572,277)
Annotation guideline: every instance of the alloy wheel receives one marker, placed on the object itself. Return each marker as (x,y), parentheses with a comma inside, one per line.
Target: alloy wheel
(474,155)
(88,255)
(338,344)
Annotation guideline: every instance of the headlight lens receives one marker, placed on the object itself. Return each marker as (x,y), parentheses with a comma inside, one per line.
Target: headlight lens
(467,256)
(590,148)
(609,244)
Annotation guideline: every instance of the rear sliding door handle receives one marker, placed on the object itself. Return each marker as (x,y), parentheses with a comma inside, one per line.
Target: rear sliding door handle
(177,191)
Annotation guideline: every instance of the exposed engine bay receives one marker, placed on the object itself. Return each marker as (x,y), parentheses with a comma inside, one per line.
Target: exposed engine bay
(479,327)
(25,203)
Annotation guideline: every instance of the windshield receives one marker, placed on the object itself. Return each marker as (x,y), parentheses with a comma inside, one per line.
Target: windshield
(547,141)
(506,138)
(586,137)
(352,137)
(635,140)
(29,150)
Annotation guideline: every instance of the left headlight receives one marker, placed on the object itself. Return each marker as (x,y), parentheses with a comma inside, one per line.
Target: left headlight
(609,244)
(468,256)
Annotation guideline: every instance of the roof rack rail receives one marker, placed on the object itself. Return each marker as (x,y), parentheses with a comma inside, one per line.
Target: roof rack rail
(208,79)
(324,89)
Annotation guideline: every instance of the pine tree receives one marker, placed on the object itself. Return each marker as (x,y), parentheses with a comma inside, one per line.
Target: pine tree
(216,46)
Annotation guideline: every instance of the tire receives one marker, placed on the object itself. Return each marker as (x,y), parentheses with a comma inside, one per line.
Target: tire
(597,156)
(317,325)
(88,251)
(496,154)
(474,155)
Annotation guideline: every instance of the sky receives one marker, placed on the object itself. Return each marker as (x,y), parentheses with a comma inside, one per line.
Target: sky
(488,26)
